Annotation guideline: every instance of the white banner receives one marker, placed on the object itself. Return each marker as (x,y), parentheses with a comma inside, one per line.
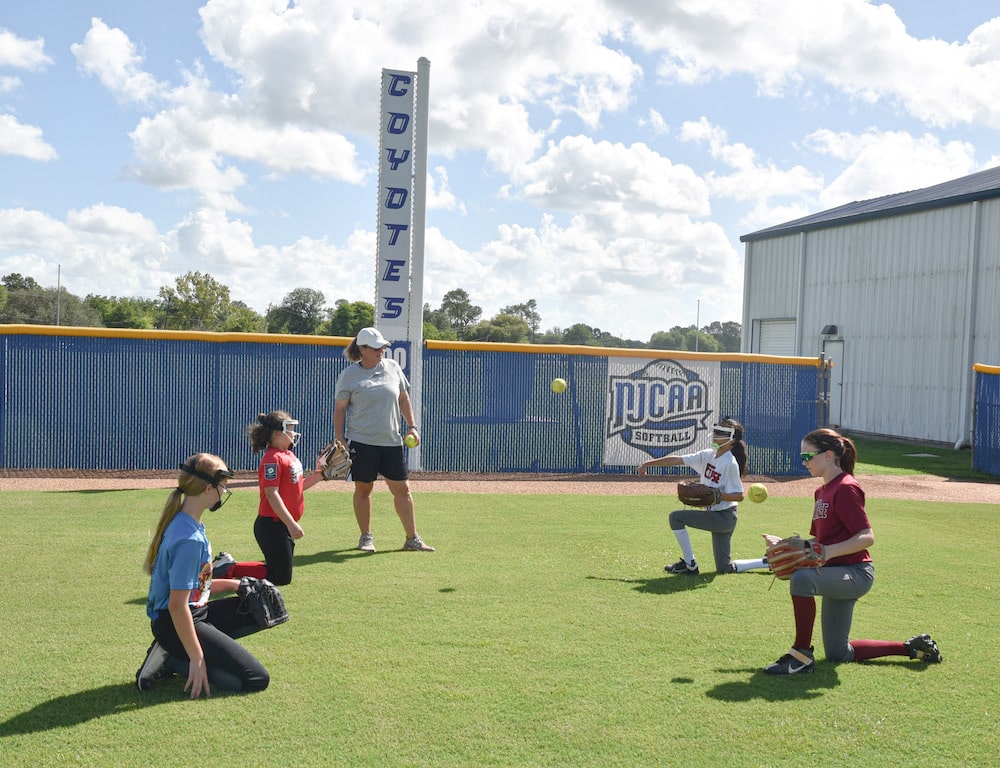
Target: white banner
(659,407)
(395,205)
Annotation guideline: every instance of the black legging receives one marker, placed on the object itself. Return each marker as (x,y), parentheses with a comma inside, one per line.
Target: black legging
(277,547)
(230,666)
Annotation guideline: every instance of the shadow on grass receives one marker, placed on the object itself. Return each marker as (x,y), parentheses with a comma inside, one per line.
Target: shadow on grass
(663,585)
(82,706)
(776,687)
(337,556)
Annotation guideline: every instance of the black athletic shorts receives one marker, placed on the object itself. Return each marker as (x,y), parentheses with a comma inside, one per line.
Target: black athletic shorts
(370,461)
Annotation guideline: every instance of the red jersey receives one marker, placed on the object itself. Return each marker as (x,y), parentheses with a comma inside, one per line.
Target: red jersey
(281,470)
(838,514)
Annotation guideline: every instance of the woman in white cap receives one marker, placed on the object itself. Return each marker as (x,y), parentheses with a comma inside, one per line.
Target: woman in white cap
(372,402)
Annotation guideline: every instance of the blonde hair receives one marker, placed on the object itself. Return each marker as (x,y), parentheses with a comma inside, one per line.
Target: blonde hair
(187,485)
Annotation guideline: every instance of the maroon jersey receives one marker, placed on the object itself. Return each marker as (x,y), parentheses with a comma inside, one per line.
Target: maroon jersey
(838,514)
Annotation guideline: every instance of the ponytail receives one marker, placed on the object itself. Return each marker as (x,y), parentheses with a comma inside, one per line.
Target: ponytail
(739,446)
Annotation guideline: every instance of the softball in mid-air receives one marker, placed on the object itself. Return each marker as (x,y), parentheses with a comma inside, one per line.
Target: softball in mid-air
(411,441)
(559,386)
(757,492)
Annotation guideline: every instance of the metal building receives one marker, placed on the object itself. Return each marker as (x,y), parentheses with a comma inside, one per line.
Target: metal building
(899,292)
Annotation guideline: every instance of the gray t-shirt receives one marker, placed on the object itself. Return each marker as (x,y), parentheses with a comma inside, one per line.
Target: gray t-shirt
(373,415)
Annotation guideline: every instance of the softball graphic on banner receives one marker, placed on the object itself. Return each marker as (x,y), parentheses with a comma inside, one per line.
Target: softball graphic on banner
(658,407)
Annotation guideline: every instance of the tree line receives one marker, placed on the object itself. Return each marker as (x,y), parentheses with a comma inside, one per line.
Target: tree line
(199,302)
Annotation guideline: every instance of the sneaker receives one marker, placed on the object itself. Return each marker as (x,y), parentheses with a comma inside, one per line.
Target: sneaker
(220,565)
(796,661)
(923,648)
(366,543)
(682,568)
(416,544)
(153,668)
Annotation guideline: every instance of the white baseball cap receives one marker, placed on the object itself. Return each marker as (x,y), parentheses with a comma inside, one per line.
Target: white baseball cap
(371,337)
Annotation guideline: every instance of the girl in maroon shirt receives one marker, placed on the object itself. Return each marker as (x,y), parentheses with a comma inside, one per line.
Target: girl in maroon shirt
(841,527)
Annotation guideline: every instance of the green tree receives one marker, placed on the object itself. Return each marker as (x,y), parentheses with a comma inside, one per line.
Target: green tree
(301,312)
(27,302)
(581,334)
(126,312)
(528,311)
(242,319)
(441,323)
(349,317)
(460,311)
(504,328)
(18,282)
(729,335)
(684,339)
(431,331)
(197,302)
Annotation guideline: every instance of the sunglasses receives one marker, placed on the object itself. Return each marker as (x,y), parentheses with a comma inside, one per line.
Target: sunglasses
(809,456)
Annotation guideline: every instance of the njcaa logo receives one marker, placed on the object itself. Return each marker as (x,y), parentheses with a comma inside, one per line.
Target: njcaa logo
(659,409)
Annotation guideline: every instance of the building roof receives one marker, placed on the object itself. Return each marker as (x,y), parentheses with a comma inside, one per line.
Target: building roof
(979,186)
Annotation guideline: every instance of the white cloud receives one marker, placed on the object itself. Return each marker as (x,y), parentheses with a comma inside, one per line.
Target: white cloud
(886,162)
(580,174)
(110,56)
(9,84)
(860,48)
(22,54)
(549,150)
(24,140)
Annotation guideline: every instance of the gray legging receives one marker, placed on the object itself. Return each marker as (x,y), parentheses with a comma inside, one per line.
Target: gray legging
(721,523)
(840,586)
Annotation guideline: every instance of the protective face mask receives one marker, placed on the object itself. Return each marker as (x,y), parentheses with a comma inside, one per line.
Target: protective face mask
(224,495)
(288,427)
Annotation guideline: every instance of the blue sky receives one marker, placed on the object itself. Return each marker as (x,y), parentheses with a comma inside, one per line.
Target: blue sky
(602,157)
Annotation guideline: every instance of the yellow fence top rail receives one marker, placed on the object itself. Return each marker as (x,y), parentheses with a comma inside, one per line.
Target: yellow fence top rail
(571,349)
(133,333)
(980,368)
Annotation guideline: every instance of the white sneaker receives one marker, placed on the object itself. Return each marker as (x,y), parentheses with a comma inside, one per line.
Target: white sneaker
(366,543)
(416,544)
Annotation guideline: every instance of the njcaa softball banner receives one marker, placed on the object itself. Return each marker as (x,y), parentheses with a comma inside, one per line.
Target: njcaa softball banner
(395,205)
(658,407)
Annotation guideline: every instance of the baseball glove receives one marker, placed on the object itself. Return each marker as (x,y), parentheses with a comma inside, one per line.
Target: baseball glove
(335,460)
(786,556)
(695,494)
(262,600)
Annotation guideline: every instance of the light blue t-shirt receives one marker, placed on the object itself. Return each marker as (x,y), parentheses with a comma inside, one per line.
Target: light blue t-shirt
(373,415)
(184,561)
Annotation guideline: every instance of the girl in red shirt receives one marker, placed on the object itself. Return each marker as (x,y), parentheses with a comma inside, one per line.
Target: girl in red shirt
(282,484)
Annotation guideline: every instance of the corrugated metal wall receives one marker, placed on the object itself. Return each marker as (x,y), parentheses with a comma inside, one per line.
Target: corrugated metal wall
(912,299)
(134,401)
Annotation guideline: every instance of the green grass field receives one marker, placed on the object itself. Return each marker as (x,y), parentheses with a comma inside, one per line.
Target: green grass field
(543,632)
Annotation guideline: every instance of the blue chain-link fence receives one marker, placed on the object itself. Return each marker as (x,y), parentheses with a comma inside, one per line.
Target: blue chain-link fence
(986,424)
(102,399)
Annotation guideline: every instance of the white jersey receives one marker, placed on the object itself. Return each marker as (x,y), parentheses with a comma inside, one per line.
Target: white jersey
(717,471)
